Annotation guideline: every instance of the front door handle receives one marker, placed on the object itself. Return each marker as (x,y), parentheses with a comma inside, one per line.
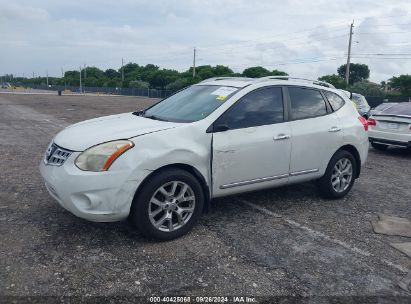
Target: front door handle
(334,129)
(282,137)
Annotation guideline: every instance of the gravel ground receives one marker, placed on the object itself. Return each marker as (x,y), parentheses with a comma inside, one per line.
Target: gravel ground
(285,241)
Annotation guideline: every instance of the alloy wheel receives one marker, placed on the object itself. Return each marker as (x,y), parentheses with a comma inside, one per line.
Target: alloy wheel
(342,175)
(171,206)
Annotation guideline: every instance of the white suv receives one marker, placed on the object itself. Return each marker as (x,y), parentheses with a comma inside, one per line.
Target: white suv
(160,167)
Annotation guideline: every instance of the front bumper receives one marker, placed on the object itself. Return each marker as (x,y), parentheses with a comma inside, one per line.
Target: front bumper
(95,196)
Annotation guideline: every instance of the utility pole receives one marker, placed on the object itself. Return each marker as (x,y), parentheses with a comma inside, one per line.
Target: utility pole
(85,75)
(80,81)
(62,76)
(33,75)
(122,69)
(47,78)
(347,69)
(194,63)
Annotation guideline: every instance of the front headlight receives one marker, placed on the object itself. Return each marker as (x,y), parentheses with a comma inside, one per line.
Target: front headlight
(101,157)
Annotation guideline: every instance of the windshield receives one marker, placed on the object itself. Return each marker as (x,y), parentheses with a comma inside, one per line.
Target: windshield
(191,104)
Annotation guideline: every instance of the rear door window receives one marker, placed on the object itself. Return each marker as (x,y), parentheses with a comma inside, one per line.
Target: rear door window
(306,103)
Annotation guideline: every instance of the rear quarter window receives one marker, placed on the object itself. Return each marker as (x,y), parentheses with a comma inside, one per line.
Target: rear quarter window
(335,101)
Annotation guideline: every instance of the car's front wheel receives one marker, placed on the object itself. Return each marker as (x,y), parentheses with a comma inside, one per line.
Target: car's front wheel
(339,176)
(168,205)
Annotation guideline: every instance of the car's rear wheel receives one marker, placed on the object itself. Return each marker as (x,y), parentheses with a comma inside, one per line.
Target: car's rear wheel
(381,147)
(168,205)
(339,176)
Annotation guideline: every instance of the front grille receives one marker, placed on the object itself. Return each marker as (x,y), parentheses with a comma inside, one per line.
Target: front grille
(55,155)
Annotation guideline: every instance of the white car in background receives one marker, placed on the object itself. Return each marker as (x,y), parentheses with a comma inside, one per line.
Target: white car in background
(160,167)
(391,127)
(360,102)
(382,107)
(362,105)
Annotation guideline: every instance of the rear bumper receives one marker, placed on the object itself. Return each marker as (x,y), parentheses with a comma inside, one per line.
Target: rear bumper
(389,138)
(390,142)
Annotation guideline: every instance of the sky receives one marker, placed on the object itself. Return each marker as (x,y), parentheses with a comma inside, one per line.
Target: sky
(303,38)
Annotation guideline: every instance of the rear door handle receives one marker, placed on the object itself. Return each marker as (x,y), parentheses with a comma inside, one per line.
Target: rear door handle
(282,137)
(334,129)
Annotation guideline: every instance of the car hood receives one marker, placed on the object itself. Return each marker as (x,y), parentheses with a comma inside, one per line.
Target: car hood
(86,134)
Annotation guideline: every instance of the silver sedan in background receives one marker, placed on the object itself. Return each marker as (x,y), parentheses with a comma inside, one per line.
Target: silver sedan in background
(391,127)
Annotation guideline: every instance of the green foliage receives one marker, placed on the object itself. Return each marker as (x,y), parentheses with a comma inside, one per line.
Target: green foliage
(149,75)
(258,71)
(138,84)
(178,84)
(335,80)
(93,72)
(111,73)
(358,72)
(367,88)
(221,70)
(278,73)
(402,83)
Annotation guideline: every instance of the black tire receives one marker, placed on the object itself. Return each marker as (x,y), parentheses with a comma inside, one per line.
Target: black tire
(380,147)
(325,183)
(139,214)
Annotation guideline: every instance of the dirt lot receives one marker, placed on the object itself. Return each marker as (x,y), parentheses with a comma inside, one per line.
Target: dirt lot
(285,241)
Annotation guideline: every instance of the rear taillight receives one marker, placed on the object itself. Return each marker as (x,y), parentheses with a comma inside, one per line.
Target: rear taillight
(372,122)
(364,122)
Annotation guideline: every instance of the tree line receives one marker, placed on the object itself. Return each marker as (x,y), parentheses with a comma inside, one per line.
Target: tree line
(148,76)
(152,76)
(358,82)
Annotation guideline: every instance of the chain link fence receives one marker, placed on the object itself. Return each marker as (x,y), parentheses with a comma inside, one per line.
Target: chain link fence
(373,101)
(144,92)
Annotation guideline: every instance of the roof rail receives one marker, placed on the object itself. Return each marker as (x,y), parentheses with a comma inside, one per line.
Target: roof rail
(317,82)
(226,78)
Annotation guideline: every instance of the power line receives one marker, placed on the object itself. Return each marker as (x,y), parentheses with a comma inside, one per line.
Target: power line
(366,33)
(293,33)
(391,58)
(271,36)
(383,54)
(387,25)
(254,42)
(295,61)
(284,46)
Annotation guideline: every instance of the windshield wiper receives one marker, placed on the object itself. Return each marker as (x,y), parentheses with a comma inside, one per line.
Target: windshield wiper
(154,117)
(139,113)
(142,114)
